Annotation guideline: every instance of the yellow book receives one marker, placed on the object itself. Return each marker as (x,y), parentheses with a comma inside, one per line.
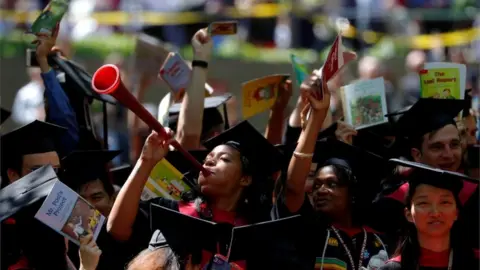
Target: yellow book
(260,94)
(165,181)
(443,81)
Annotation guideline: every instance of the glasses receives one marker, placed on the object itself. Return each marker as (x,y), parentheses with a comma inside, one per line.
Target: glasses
(57,170)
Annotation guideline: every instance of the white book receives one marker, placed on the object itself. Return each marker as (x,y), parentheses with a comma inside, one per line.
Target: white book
(365,103)
(69,214)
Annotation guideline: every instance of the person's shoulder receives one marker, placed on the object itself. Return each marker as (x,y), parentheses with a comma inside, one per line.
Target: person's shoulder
(391,265)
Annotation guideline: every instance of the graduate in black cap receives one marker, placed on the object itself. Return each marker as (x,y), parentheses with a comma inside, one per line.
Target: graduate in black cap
(344,183)
(430,135)
(86,172)
(433,237)
(27,243)
(237,192)
(28,148)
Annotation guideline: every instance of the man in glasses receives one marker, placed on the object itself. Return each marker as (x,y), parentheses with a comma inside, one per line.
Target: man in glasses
(29,148)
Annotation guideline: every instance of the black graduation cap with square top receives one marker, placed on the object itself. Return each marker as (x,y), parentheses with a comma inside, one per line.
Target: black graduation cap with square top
(21,200)
(427,115)
(187,235)
(263,158)
(211,115)
(87,165)
(4,115)
(24,192)
(424,174)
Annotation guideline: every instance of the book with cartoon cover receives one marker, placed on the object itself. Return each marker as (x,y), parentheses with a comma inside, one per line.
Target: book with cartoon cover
(49,18)
(365,103)
(165,181)
(299,68)
(69,214)
(260,94)
(443,80)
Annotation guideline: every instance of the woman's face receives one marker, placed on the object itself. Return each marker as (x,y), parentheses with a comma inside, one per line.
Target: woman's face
(328,194)
(433,210)
(225,165)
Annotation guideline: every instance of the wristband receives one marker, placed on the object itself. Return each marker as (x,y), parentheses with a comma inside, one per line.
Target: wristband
(302,155)
(200,63)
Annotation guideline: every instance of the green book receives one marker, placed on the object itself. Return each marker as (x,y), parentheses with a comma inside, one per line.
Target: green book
(49,18)
(299,68)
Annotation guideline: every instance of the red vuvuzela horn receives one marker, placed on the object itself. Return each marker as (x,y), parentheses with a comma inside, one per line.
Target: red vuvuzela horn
(106,80)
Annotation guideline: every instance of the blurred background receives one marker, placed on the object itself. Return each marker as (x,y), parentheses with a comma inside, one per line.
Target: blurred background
(392,38)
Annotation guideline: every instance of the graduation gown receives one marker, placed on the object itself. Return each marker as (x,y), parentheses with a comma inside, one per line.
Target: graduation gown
(321,246)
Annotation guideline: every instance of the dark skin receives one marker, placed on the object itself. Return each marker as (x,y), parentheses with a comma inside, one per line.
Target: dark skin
(331,197)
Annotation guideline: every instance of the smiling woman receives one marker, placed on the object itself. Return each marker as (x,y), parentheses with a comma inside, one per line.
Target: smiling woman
(432,209)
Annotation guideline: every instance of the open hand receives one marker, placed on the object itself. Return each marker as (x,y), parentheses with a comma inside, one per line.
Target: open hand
(202,45)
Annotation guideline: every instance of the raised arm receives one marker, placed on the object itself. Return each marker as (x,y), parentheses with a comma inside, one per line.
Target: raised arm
(59,111)
(274,131)
(301,161)
(190,119)
(125,209)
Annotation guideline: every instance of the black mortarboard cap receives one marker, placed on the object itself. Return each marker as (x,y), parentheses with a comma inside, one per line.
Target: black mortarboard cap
(427,115)
(424,174)
(186,234)
(211,115)
(251,240)
(4,115)
(24,192)
(34,138)
(179,161)
(264,159)
(86,166)
(121,173)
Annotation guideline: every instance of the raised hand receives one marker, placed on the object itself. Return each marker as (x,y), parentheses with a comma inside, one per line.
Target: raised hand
(311,90)
(202,45)
(156,147)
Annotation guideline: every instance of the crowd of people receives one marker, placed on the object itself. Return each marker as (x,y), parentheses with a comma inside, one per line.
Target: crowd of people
(310,193)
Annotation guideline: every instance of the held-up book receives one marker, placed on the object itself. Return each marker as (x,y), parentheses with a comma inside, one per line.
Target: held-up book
(443,80)
(150,53)
(49,18)
(176,73)
(222,28)
(337,59)
(260,94)
(365,103)
(165,181)
(69,214)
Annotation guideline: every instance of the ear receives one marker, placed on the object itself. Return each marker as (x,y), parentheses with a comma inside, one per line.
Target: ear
(246,181)
(416,154)
(408,215)
(12,175)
